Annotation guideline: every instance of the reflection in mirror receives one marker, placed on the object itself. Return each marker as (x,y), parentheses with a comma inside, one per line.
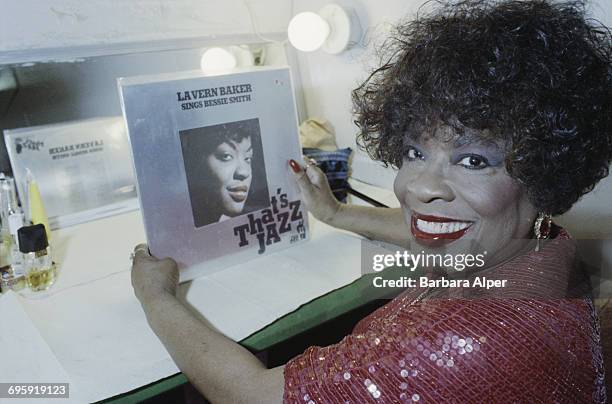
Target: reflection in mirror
(33,94)
(63,122)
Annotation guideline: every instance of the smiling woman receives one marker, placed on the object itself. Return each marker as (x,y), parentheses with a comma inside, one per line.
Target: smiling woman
(497,115)
(230,168)
(457,188)
(225,170)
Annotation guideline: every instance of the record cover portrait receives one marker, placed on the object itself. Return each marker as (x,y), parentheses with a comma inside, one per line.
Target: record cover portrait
(225,170)
(210,154)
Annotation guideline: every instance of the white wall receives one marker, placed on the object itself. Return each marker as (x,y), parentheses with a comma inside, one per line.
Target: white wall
(45,27)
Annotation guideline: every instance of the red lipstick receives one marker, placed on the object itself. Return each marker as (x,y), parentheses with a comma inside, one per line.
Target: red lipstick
(436,239)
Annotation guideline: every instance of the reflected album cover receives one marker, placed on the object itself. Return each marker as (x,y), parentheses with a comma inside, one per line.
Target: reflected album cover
(210,154)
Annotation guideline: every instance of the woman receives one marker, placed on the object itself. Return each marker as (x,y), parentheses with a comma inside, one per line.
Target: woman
(221,162)
(498,116)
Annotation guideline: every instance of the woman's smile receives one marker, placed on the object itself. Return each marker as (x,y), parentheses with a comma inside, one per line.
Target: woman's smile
(446,173)
(238,192)
(430,227)
(230,165)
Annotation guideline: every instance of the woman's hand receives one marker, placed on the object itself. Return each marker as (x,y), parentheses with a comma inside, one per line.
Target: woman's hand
(316,193)
(153,278)
(211,361)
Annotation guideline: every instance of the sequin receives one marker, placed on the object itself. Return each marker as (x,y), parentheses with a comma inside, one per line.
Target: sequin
(372,388)
(510,347)
(376,341)
(306,397)
(415,397)
(311,402)
(347,375)
(372,369)
(376,394)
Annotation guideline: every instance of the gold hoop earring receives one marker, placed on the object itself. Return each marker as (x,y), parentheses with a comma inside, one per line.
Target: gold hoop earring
(541,228)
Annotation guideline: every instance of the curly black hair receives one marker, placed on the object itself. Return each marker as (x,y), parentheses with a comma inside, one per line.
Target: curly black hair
(534,74)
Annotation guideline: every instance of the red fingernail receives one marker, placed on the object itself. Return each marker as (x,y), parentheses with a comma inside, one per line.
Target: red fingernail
(294,166)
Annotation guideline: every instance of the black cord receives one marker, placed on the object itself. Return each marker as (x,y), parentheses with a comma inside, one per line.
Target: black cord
(363,197)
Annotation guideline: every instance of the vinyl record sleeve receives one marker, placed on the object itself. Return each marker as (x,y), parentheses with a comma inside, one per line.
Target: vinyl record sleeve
(83,168)
(210,155)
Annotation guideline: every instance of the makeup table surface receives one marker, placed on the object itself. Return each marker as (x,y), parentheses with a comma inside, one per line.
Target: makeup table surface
(90,331)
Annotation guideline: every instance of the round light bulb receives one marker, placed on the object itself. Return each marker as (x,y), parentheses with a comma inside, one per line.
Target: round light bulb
(217,59)
(308,31)
(244,56)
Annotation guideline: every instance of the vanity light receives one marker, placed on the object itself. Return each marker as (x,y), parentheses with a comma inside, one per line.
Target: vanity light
(330,29)
(215,60)
(308,31)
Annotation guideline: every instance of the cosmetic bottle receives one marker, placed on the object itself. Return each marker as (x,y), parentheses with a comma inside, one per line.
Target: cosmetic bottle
(37,262)
(12,276)
(16,257)
(8,206)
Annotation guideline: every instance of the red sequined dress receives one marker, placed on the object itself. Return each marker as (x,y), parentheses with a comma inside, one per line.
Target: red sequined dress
(509,347)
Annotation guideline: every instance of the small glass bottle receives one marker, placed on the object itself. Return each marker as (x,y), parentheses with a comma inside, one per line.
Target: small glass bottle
(37,262)
(12,275)
(16,257)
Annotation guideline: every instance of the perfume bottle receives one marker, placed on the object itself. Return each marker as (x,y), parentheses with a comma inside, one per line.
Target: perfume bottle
(8,206)
(37,262)
(12,276)
(15,222)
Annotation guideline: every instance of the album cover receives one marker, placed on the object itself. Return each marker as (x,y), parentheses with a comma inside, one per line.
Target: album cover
(210,154)
(83,168)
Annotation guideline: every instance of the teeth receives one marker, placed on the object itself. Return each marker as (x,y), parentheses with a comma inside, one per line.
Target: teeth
(440,228)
